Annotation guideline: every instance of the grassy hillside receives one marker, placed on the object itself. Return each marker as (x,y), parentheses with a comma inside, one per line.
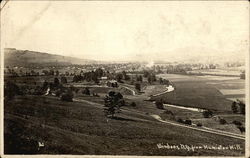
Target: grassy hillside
(82,128)
(25,57)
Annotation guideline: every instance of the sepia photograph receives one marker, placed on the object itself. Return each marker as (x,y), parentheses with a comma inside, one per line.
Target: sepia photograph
(124,78)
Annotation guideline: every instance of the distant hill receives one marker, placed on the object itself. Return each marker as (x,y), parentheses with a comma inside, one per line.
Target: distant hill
(14,57)
(196,55)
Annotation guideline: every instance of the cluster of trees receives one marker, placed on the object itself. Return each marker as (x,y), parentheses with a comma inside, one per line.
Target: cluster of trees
(179,69)
(122,76)
(150,76)
(239,107)
(98,73)
(90,76)
(32,72)
(164,81)
(112,103)
(13,73)
(239,125)
(50,72)
(47,88)
(139,78)
(243,75)
(234,64)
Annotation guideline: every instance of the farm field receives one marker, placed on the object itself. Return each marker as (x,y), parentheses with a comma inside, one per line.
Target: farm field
(229,72)
(203,92)
(84,129)
(232,88)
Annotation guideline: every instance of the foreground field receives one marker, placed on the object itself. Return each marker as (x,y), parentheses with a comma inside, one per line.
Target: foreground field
(80,127)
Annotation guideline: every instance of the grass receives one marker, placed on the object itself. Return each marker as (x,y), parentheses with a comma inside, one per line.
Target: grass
(203,92)
(196,94)
(215,124)
(82,128)
(154,89)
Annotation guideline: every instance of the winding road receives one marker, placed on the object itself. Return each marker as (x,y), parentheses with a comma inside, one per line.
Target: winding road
(170,88)
(158,118)
(203,129)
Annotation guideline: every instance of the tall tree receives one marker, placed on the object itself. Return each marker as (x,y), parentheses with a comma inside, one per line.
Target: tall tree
(56,82)
(63,79)
(57,73)
(242,108)
(113,102)
(138,86)
(234,107)
(86,91)
(119,77)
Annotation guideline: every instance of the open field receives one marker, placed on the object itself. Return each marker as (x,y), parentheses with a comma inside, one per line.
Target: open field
(203,92)
(82,128)
(154,89)
(223,72)
(231,88)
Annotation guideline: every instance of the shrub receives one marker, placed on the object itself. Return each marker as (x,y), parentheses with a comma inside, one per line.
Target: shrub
(188,122)
(168,112)
(58,93)
(237,123)
(159,104)
(138,87)
(67,97)
(223,121)
(56,82)
(133,104)
(242,108)
(242,129)
(234,107)
(38,91)
(63,79)
(207,113)
(86,91)
(199,125)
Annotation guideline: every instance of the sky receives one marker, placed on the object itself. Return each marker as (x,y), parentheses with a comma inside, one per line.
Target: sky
(127,30)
